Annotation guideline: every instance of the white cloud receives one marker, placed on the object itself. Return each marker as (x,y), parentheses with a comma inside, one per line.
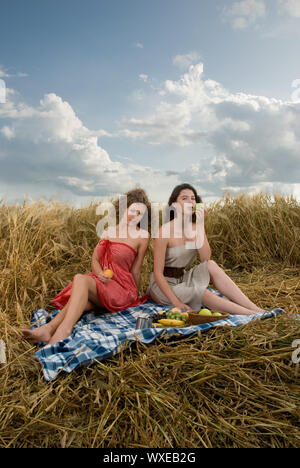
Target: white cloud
(244,13)
(5,74)
(292,7)
(8,132)
(143,77)
(184,61)
(254,140)
(176,122)
(48,147)
(137,96)
(138,45)
(239,141)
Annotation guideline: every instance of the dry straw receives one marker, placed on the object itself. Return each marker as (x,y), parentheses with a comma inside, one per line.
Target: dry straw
(229,387)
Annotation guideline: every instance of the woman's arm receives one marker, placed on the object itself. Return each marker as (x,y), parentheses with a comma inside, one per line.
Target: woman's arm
(96,267)
(205,251)
(160,247)
(137,264)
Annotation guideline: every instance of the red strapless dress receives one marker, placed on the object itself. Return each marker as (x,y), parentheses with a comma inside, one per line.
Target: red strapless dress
(121,291)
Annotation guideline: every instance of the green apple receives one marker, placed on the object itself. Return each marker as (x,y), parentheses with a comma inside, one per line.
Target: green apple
(197,206)
(205,312)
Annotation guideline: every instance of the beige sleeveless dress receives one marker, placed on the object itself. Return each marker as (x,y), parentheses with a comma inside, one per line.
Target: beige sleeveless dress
(191,286)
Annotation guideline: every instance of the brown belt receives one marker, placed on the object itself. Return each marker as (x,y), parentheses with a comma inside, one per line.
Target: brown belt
(172,272)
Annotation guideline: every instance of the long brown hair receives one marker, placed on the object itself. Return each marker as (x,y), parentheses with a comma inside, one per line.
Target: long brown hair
(136,195)
(175,194)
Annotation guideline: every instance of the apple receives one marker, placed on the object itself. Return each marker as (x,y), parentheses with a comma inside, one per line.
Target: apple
(205,312)
(197,206)
(109,273)
(217,314)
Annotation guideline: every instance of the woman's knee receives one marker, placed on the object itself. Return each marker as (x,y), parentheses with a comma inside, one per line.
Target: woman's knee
(79,278)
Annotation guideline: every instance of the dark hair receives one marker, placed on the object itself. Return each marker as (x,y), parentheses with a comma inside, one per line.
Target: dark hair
(136,195)
(175,194)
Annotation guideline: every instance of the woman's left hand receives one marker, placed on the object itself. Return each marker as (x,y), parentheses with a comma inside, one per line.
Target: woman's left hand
(200,212)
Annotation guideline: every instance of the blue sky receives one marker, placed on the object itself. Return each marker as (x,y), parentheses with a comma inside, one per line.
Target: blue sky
(102,95)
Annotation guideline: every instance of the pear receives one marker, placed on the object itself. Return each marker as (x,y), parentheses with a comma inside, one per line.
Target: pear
(217,314)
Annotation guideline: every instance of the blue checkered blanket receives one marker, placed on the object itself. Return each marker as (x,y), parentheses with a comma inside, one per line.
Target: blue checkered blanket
(97,337)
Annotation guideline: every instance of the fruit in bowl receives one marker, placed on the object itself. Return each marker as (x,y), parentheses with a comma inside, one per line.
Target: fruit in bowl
(171,318)
(205,312)
(171,323)
(176,314)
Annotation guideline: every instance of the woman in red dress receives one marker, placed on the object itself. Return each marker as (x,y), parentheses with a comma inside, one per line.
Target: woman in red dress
(122,255)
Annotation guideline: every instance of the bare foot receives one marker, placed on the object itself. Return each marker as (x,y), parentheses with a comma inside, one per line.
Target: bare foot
(60,334)
(37,335)
(258,310)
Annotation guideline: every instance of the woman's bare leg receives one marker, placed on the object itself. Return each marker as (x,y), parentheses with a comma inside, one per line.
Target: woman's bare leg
(219,304)
(226,286)
(44,333)
(84,290)
(59,318)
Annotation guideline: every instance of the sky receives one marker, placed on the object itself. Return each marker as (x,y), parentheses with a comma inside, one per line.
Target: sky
(99,96)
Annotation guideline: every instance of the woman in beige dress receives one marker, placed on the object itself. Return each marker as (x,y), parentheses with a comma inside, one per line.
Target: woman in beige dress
(176,247)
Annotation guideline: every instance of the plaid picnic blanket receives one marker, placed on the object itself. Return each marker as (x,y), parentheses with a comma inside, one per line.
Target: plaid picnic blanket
(97,337)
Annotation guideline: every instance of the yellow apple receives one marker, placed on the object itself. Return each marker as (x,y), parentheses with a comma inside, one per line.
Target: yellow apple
(109,273)
(205,312)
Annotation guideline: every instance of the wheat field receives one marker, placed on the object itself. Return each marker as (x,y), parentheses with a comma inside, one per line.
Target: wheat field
(229,387)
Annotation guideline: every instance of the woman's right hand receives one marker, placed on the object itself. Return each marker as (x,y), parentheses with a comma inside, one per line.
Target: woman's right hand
(182,306)
(103,278)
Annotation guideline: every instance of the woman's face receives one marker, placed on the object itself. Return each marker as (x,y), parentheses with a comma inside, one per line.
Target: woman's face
(135,213)
(187,201)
